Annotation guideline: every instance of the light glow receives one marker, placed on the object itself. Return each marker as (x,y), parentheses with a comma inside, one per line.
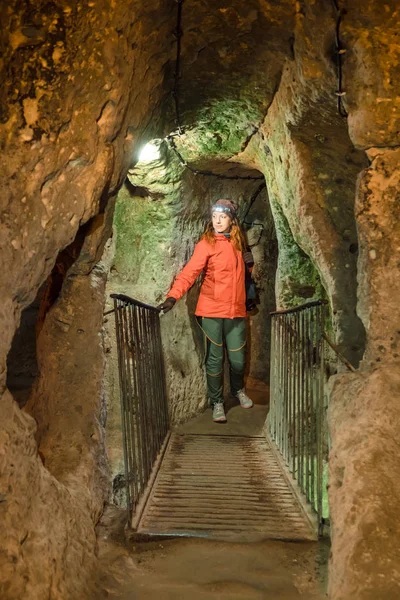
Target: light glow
(149,153)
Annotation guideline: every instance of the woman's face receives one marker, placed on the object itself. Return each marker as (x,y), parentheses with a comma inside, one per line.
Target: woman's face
(221,222)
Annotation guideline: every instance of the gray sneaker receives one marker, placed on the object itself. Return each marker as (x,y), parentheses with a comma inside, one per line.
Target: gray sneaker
(219,413)
(244,400)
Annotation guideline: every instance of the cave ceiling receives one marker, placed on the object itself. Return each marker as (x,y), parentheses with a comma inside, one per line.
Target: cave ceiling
(231,61)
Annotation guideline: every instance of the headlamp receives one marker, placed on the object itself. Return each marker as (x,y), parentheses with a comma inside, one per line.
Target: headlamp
(221,209)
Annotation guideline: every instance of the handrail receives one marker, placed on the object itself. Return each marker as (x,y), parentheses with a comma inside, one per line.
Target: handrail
(130,300)
(344,360)
(298,308)
(306,305)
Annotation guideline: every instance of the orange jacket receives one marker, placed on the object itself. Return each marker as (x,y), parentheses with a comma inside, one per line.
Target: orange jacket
(222,292)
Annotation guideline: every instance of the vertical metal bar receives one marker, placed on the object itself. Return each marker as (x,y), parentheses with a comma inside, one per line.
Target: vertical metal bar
(163,392)
(136,423)
(300,461)
(309,407)
(155,385)
(123,395)
(127,346)
(141,417)
(312,410)
(136,411)
(150,408)
(280,385)
(314,427)
(157,381)
(272,375)
(305,382)
(125,405)
(285,387)
(163,379)
(294,374)
(289,384)
(277,382)
(296,390)
(320,413)
(299,390)
(303,443)
(145,392)
(294,397)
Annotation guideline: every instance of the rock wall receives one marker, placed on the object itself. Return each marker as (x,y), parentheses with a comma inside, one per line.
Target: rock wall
(311,167)
(316,163)
(84,86)
(77,99)
(364,414)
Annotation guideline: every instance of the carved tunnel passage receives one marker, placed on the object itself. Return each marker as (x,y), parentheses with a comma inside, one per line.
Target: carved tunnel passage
(290,108)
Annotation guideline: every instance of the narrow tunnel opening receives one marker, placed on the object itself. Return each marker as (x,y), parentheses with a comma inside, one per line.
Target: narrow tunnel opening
(22,360)
(22,366)
(302,94)
(160,214)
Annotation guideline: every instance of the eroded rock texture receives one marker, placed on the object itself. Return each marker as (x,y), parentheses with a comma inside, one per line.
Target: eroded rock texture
(77,97)
(364,416)
(364,491)
(84,85)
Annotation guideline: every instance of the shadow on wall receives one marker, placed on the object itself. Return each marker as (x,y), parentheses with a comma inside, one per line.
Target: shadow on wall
(22,366)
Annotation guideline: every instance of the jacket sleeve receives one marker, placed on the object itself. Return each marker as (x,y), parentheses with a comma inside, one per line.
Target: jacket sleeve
(190,271)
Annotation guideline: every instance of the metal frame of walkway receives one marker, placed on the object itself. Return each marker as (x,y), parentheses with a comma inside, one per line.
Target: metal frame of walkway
(232,486)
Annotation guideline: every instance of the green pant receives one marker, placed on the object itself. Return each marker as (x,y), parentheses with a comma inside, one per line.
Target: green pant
(233,332)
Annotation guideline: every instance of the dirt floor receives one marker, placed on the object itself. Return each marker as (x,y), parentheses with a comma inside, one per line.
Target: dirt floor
(199,569)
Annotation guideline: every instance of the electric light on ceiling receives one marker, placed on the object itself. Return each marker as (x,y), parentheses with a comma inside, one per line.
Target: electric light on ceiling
(149,153)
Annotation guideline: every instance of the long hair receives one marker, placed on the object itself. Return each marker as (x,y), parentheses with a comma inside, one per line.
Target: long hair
(237,236)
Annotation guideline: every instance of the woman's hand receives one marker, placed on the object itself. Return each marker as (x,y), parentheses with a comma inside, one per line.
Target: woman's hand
(166,305)
(248,258)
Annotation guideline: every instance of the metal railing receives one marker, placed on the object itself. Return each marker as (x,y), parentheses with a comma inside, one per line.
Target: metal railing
(297,415)
(144,409)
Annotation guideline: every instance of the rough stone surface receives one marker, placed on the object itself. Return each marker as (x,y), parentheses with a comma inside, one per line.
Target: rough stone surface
(378,220)
(77,99)
(370,32)
(364,418)
(83,87)
(45,528)
(311,167)
(69,123)
(231,66)
(364,488)
(66,478)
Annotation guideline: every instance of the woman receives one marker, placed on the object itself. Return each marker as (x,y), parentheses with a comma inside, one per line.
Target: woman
(221,308)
